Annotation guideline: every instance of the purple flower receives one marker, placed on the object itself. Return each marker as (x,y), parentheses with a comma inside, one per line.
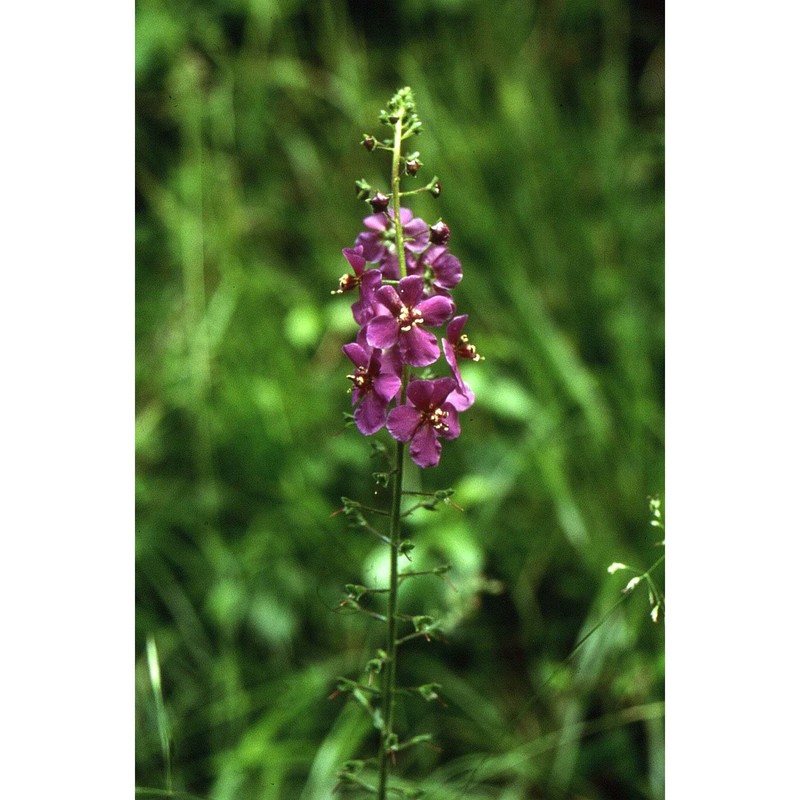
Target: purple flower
(379,243)
(366,282)
(426,418)
(457,345)
(438,267)
(399,315)
(375,382)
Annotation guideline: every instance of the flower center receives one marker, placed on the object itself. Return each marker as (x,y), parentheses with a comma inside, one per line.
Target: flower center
(466,350)
(360,378)
(408,317)
(436,419)
(347,282)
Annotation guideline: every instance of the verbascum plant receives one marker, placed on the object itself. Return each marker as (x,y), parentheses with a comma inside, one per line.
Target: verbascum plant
(403,274)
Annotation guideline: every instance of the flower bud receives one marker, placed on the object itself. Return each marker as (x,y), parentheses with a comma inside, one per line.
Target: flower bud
(632,584)
(440,233)
(436,189)
(412,167)
(379,202)
(368,142)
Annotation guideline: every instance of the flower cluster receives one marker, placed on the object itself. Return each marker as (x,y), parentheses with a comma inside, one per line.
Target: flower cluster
(404,272)
(395,315)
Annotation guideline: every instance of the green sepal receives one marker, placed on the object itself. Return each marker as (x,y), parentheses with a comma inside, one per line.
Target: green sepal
(429,691)
(355,590)
(405,547)
(381,478)
(423,622)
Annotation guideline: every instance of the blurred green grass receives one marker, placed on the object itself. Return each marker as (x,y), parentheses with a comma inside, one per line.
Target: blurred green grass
(544,122)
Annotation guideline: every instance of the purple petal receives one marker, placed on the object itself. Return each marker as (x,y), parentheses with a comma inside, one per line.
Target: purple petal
(405,215)
(440,388)
(392,361)
(461,398)
(436,310)
(410,290)
(388,297)
(371,280)
(355,257)
(374,368)
(357,354)
(403,422)
(455,327)
(372,246)
(453,425)
(370,416)
(363,312)
(417,230)
(414,266)
(438,291)
(432,253)
(390,266)
(419,393)
(386,386)
(425,448)
(377,222)
(447,270)
(450,357)
(382,331)
(363,309)
(418,347)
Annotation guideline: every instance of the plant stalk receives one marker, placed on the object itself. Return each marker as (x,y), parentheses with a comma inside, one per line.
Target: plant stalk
(398,225)
(390,671)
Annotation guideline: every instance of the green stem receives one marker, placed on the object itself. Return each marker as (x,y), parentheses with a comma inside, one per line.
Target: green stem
(390,672)
(398,226)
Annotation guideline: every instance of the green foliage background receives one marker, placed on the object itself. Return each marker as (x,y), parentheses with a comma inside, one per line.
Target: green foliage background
(544,122)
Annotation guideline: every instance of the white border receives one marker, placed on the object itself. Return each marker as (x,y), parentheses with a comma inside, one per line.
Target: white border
(732,399)
(67,333)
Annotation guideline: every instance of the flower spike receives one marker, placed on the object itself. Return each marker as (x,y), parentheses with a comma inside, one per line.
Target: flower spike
(404,274)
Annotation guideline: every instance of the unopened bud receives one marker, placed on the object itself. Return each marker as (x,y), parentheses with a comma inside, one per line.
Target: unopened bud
(368,142)
(412,167)
(632,584)
(379,202)
(436,189)
(440,233)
